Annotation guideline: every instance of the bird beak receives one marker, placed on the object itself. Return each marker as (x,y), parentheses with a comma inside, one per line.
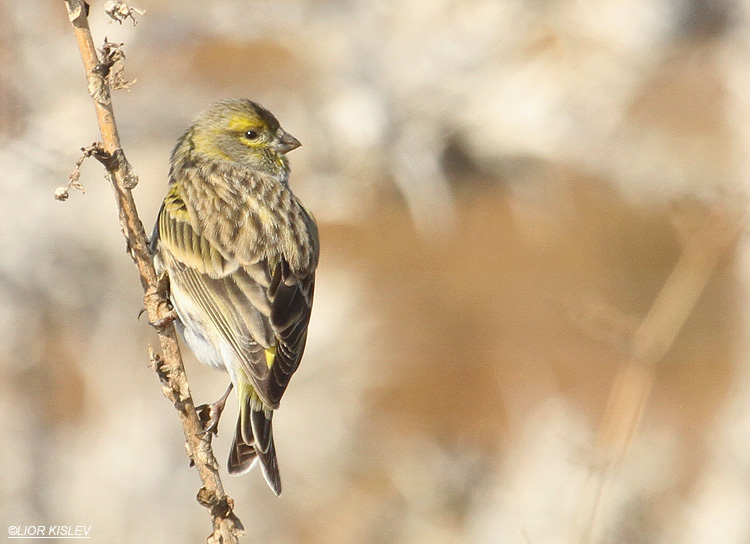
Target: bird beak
(286,142)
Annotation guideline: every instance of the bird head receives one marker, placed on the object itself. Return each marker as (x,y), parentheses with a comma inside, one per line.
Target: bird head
(241,131)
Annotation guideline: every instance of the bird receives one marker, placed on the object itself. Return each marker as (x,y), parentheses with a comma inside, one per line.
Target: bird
(239,252)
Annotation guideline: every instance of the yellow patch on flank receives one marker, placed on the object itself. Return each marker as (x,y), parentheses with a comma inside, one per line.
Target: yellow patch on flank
(175,204)
(270,356)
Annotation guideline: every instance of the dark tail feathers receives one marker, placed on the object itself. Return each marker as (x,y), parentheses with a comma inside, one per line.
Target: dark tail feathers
(253,441)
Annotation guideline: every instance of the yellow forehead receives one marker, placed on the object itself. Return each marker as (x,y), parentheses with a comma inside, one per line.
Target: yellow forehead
(241,123)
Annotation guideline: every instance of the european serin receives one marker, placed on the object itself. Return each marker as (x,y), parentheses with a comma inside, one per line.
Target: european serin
(240,251)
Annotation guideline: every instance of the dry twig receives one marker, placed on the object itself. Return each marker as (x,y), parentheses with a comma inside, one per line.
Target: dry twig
(169,367)
(62,193)
(708,234)
(120,11)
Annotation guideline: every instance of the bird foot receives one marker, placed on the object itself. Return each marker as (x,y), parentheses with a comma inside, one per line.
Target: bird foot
(209,414)
(164,320)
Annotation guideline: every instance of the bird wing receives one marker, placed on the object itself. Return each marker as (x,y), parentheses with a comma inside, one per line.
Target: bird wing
(261,312)
(291,296)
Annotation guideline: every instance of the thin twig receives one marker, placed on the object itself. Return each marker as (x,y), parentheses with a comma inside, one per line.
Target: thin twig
(62,193)
(119,11)
(168,365)
(707,238)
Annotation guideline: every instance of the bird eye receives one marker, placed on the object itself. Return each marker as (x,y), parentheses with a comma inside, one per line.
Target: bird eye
(251,135)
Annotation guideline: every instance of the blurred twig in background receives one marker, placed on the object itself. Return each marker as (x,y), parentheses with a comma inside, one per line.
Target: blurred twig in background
(169,367)
(707,234)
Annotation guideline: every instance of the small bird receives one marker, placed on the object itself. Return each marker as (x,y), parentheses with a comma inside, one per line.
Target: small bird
(239,251)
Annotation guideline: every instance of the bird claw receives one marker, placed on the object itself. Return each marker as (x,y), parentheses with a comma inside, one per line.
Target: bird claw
(209,414)
(164,320)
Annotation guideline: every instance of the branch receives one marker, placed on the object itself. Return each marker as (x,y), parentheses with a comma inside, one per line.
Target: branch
(226,526)
(708,236)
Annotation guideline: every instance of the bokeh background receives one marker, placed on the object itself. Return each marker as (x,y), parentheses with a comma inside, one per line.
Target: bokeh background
(496,185)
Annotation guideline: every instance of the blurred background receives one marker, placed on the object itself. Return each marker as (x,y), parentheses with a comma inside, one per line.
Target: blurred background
(496,185)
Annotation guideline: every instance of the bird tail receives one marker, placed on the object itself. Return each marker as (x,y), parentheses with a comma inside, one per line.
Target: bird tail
(253,440)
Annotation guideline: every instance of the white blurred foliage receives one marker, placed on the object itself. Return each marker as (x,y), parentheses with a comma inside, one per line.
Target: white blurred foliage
(394,82)
(541,482)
